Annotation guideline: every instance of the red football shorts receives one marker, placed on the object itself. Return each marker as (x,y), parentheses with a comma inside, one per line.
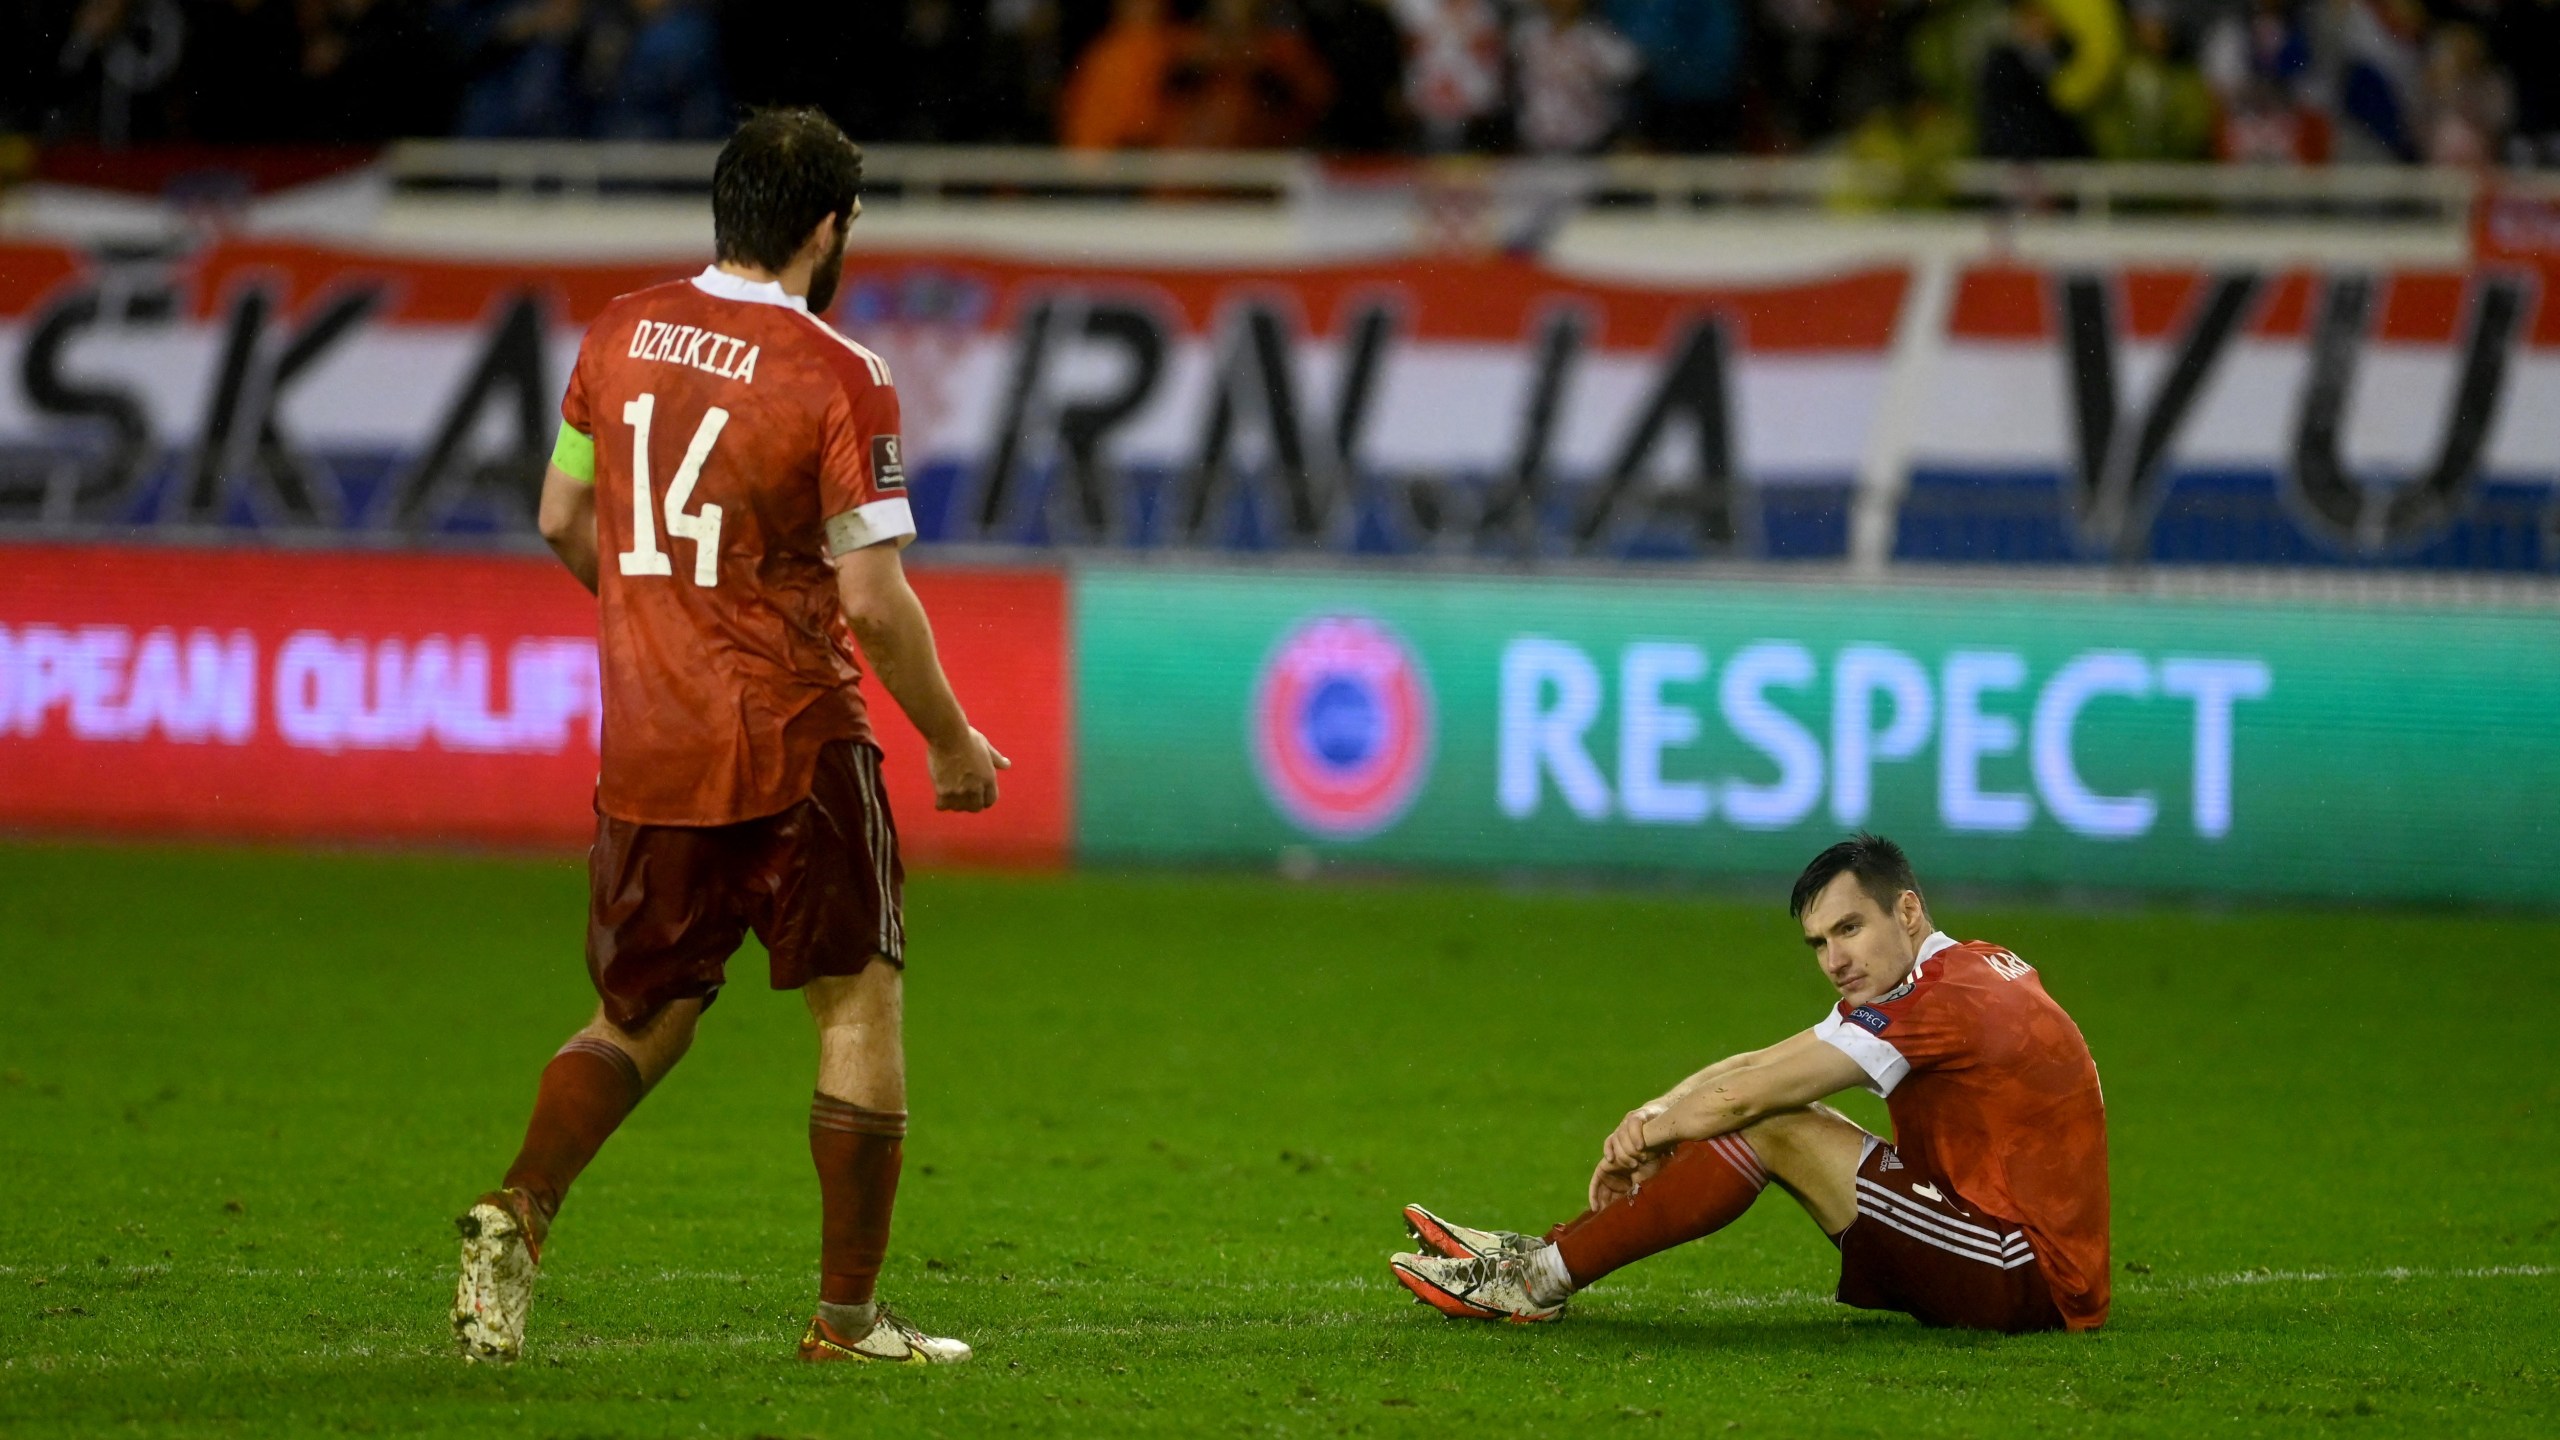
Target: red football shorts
(819,884)
(1917,1247)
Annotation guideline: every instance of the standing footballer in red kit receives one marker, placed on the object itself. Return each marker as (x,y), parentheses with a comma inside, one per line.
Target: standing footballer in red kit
(1987,1210)
(728,481)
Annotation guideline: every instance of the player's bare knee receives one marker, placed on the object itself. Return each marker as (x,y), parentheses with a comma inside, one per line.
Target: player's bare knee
(1814,1136)
(871,997)
(1785,1126)
(657,1043)
(1778,1131)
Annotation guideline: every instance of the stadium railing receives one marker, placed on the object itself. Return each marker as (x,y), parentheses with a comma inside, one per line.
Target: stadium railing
(2358,194)
(1919,386)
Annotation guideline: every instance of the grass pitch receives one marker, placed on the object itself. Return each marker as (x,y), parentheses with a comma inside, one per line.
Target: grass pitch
(1162,1127)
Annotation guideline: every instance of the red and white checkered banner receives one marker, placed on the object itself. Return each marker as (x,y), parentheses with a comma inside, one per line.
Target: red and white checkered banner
(1478,404)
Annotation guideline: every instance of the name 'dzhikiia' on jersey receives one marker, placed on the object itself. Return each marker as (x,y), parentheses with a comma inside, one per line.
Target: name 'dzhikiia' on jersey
(723,355)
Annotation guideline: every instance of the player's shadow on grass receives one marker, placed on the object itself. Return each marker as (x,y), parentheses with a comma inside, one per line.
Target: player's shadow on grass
(1728,1334)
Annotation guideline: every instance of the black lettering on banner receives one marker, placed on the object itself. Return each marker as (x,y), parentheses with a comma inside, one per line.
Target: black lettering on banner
(1694,386)
(1255,385)
(1371,329)
(1033,423)
(86,489)
(231,382)
(2370,518)
(244,449)
(2120,479)
(510,372)
(1021,392)
(1364,359)
(1086,425)
(1511,516)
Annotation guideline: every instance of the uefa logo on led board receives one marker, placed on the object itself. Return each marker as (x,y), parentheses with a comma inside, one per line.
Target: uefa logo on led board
(1342,726)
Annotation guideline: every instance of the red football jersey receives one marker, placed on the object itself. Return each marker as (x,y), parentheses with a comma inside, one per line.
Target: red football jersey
(740,443)
(1992,1090)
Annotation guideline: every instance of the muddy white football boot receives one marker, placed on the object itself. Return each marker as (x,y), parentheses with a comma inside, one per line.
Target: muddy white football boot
(1463,1242)
(501,1253)
(890,1341)
(1480,1287)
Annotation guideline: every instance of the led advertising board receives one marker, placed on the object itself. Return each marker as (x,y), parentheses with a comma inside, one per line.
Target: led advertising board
(2011,737)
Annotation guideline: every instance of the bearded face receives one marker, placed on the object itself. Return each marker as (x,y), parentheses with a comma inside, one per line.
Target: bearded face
(829,274)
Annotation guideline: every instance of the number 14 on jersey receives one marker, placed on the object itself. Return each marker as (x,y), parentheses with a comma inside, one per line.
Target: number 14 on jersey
(702,527)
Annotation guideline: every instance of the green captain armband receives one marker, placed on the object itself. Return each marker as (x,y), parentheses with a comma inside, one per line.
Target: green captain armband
(575,454)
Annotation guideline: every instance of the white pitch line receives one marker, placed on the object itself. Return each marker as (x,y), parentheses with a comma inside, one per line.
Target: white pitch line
(1714,1300)
(2176,1284)
(611,1276)
(2142,1285)
(2229,1279)
(99,1361)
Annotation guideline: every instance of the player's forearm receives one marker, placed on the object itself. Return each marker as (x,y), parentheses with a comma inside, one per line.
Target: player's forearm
(578,552)
(1708,1076)
(1718,1106)
(889,624)
(1789,1075)
(567,519)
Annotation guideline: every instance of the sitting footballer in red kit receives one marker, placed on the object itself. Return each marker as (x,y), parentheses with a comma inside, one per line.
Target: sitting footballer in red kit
(1987,1210)
(728,480)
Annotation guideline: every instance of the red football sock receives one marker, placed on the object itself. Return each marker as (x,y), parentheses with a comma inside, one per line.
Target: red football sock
(587,1090)
(857,1151)
(1702,1188)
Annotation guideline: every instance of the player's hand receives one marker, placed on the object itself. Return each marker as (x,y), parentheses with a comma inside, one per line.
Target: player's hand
(1626,1146)
(964,775)
(1610,1185)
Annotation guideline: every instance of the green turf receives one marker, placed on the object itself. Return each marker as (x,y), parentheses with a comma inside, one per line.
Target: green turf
(1161,1130)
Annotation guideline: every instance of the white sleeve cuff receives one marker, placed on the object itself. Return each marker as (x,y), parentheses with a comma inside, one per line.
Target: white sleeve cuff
(868,525)
(1884,1065)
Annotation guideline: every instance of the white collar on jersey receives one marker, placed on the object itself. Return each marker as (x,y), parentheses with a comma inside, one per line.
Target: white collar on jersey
(1938,940)
(716,281)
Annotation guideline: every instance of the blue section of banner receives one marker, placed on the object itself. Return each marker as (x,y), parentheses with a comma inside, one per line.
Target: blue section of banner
(349,491)
(2213,517)
(1384,516)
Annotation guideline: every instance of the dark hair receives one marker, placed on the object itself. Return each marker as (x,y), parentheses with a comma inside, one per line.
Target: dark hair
(1883,871)
(782,173)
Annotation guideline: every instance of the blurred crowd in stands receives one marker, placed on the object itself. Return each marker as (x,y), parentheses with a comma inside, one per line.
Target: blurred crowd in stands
(1904,83)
